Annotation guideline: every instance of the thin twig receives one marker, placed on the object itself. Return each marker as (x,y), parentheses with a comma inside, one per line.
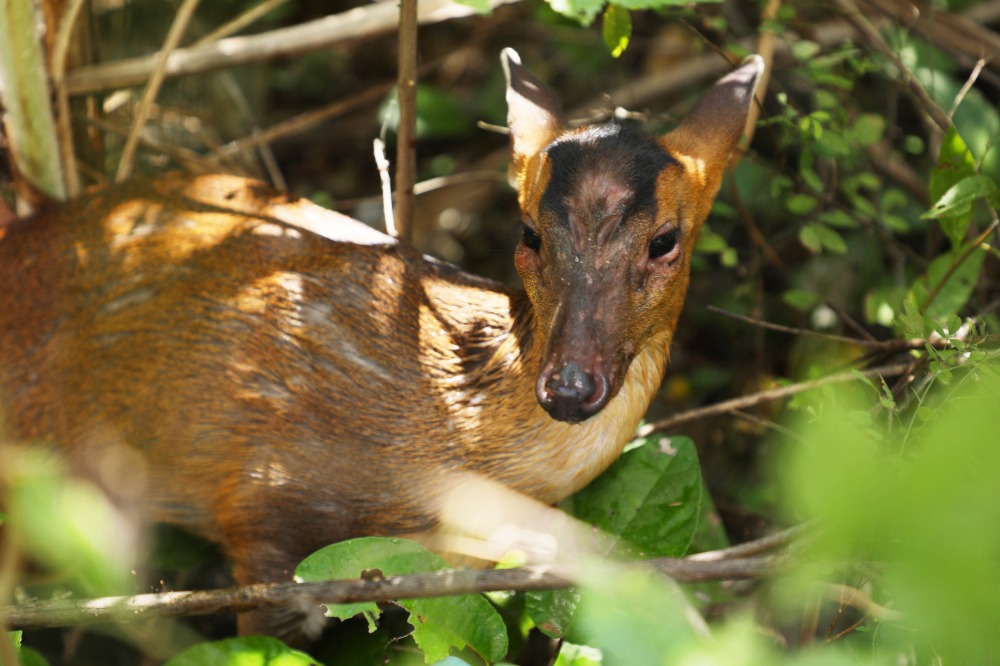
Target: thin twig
(769,395)
(64,125)
(300,123)
(177,30)
(765,49)
(406,127)
(755,547)
(894,345)
(248,17)
(450,582)
(969,82)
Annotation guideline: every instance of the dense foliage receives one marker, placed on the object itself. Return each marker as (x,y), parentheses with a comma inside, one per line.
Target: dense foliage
(859,231)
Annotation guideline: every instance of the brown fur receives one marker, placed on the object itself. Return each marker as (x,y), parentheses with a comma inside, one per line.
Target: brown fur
(292,378)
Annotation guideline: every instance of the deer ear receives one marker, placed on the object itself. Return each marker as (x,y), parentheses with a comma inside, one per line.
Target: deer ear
(534,116)
(715,124)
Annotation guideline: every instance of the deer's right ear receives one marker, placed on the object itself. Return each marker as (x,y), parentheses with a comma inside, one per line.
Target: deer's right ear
(534,116)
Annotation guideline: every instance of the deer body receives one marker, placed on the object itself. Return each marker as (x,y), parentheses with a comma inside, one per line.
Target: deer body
(286,377)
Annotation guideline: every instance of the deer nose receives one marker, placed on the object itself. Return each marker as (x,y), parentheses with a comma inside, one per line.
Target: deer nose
(571,394)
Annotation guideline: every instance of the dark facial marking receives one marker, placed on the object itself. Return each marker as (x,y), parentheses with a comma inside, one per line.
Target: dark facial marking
(611,165)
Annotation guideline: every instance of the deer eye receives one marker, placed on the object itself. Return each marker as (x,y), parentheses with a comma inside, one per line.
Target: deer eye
(663,244)
(531,238)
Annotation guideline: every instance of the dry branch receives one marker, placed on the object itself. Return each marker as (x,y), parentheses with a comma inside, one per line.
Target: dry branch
(67,612)
(769,395)
(354,24)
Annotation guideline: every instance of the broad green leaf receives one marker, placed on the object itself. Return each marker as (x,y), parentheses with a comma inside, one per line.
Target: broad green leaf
(438,623)
(243,651)
(958,200)
(650,498)
(952,289)
(955,163)
(617,29)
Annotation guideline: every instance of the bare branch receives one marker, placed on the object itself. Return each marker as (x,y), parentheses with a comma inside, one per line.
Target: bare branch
(66,612)
(353,24)
(769,395)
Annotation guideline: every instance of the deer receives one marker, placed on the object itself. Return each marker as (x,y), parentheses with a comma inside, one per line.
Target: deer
(277,377)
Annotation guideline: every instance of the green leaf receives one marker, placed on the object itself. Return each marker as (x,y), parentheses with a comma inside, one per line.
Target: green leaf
(583,11)
(438,623)
(958,200)
(243,651)
(809,238)
(800,204)
(800,299)
(650,498)
(481,6)
(638,617)
(68,524)
(838,218)
(868,129)
(578,655)
(955,164)
(805,49)
(553,611)
(617,29)
(440,114)
(954,288)
(830,239)
(832,144)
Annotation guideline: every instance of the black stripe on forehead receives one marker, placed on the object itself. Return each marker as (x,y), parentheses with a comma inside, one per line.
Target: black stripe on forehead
(615,153)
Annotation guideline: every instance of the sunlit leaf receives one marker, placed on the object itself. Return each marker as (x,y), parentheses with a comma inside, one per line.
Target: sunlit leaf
(616,29)
(243,651)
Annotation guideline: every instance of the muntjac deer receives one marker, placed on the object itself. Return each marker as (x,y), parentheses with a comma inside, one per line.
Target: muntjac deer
(289,377)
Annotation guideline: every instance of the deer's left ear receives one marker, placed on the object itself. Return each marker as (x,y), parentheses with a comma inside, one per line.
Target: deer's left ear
(713,127)
(534,115)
